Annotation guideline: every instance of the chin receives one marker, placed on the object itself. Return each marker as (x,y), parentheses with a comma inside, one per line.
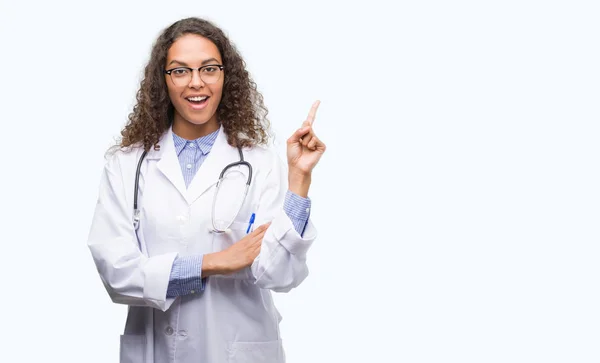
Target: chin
(197,121)
(195,118)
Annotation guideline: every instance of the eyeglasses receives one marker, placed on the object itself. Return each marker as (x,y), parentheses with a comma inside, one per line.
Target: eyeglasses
(182,76)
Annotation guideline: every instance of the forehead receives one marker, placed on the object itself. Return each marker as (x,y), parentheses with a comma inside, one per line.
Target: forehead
(192,49)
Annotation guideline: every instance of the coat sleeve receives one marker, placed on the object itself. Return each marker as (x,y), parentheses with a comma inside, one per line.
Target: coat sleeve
(130,277)
(281,263)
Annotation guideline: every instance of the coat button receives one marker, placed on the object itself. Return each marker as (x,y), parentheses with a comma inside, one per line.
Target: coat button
(169,331)
(183,333)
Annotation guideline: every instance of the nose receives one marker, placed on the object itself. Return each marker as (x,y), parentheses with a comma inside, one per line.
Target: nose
(196,81)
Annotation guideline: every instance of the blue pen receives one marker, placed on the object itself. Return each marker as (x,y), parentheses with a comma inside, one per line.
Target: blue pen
(250,223)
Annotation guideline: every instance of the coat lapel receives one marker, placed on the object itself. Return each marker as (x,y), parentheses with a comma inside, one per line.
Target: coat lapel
(207,175)
(169,163)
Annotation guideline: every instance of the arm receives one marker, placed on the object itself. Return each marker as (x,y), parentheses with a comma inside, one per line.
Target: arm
(281,263)
(130,277)
(188,275)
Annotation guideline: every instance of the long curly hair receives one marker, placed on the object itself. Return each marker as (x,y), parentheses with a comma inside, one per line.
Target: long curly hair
(241,112)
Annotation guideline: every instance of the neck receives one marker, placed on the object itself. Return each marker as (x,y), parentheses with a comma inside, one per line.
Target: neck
(190,131)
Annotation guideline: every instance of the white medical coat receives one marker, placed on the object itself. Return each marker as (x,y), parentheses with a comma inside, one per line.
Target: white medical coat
(234,319)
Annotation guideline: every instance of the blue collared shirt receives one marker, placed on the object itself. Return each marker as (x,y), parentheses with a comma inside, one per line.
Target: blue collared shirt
(186,272)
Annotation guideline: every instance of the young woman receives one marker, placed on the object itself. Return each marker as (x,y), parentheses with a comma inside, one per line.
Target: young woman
(197,219)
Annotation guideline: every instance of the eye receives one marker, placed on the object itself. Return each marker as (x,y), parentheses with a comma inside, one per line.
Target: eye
(178,72)
(210,69)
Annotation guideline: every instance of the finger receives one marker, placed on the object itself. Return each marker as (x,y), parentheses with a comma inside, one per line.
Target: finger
(257,240)
(321,146)
(256,250)
(260,235)
(306,140)
(263,227)
(313,143)
(256,231)
(313,112)
(298,135)
(256,243)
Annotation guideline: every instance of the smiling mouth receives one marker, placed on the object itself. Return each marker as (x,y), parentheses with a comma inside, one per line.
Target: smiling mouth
(197,101)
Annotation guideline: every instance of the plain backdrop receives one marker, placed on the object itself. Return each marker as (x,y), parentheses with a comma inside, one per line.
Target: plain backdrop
(457,203)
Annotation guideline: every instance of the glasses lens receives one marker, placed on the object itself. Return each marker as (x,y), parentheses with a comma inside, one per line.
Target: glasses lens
(210,74)
(181,76)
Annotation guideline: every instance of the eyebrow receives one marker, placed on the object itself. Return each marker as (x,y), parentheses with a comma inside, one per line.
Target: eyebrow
(206,61)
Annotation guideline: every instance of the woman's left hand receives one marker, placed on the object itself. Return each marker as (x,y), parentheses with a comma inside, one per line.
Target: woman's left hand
(304,149)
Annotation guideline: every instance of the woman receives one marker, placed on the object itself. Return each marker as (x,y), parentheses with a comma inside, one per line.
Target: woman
(190,264)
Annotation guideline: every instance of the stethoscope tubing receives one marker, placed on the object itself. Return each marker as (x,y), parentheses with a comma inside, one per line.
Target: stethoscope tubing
(136,211)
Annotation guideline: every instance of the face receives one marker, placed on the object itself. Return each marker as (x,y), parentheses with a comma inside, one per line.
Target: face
(195,101)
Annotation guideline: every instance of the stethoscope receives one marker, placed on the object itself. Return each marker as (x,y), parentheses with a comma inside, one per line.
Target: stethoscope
(220,229)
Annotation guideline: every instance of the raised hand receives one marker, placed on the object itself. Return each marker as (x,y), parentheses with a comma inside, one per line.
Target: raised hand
(304,148)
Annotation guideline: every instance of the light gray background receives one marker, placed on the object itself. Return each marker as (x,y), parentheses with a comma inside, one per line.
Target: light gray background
(457,204)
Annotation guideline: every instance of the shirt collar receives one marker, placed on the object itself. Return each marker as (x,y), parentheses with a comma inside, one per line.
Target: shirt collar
(203,143)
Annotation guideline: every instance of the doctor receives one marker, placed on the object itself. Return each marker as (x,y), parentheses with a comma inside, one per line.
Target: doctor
(196,264)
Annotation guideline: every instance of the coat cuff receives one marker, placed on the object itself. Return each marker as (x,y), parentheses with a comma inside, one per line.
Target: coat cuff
(285,233)
(156,272)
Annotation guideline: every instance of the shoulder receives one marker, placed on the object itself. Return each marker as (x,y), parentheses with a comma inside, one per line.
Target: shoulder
(119,158)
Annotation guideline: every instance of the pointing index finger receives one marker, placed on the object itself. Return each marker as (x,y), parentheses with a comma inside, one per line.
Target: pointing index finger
(313,112)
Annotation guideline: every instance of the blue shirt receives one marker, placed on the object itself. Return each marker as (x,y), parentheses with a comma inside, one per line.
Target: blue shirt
(186,271)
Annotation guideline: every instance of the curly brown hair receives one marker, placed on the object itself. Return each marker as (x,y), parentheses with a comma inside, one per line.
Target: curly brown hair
(241,112)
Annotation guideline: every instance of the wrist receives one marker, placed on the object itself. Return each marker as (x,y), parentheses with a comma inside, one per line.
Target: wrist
(212,264)
(299,182)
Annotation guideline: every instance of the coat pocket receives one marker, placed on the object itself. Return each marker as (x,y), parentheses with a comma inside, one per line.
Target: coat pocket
(256,352)
(133,348)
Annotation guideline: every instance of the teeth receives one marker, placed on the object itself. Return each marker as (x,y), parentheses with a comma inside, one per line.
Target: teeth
(197,99)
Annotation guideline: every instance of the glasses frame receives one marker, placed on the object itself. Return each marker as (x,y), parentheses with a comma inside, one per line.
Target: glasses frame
(199,69)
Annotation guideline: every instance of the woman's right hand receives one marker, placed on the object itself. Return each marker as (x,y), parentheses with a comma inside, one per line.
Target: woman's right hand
(235,257)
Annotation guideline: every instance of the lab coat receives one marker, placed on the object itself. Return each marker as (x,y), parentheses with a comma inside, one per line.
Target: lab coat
(234,319)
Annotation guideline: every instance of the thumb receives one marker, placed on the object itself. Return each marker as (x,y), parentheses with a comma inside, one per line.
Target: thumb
(299,133)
